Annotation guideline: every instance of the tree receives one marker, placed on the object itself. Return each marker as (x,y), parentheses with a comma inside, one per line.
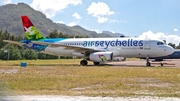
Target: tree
(14,53)
(29,54)
(41,56)
(53,34)
(178,47)
(46,56)
(3,54)
(173,45)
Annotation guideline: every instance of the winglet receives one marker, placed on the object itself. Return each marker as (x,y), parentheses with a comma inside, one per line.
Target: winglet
(31,32)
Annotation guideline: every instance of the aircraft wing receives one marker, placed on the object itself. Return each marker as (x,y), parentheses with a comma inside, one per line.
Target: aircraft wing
(14,42)
(76,48)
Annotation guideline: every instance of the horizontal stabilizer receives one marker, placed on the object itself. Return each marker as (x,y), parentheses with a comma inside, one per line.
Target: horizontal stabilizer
(14,42)
(41,43)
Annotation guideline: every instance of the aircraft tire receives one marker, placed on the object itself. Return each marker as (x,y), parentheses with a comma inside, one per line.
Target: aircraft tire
(161,64)
(96,63)
(148,64)
(83,62)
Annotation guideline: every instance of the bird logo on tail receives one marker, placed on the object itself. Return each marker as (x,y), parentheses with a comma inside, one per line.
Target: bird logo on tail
(31,32)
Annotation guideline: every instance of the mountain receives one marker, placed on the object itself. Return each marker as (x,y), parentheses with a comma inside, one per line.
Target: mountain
(10,20)
(113,34)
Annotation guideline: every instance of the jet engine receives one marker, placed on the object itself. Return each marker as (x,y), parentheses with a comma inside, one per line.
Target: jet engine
(101,56)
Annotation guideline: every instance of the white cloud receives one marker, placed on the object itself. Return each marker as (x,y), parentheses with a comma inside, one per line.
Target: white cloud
(102,19)
(175,39)
(72,24)
(100,10)
(117,21)
(175,29)
(51,7)
(76,15)
(114,20)
(6,1)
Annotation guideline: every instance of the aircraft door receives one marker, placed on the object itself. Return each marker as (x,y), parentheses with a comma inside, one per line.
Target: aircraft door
(147,44)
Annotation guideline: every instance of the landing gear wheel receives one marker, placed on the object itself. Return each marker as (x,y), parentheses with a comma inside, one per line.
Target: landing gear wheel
(96,63)
(148,64)
(161,64)
(83,62)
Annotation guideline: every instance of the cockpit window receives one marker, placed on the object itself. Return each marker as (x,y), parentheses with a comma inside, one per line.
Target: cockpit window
(160,43)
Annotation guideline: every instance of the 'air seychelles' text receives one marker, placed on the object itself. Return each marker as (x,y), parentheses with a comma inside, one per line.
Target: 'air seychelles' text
(113,43)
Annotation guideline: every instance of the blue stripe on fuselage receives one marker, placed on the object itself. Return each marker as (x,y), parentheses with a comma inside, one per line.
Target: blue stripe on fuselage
(52,40)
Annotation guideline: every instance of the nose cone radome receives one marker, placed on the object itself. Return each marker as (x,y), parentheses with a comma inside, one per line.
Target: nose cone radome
(170,50)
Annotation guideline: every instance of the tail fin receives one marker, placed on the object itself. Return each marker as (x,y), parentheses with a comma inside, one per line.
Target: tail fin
(31,32)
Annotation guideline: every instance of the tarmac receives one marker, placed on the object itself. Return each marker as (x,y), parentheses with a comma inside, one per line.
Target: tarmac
(142,63)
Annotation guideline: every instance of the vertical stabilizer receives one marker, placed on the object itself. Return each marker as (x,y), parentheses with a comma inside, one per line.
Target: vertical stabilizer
(31,32)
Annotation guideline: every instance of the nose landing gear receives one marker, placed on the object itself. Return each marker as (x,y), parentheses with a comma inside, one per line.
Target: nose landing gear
(147,62)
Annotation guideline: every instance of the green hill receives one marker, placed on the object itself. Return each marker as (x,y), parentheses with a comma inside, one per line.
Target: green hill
(10,20)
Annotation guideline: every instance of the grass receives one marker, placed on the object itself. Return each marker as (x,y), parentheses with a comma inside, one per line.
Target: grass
(56,62)
(67,77)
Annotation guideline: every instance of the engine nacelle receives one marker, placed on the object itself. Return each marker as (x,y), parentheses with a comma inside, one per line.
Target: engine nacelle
(101,56)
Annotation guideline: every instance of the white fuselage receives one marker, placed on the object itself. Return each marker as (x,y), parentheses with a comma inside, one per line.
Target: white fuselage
(124,47)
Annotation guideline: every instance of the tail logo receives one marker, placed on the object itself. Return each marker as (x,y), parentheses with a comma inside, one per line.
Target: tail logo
(32,33)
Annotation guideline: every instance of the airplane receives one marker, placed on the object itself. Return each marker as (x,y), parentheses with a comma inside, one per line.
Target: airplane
(97,50)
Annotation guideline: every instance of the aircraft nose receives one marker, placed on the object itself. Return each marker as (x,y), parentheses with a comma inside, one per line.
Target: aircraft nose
(170,50)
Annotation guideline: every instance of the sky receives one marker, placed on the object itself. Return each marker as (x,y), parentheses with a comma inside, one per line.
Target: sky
(145,18)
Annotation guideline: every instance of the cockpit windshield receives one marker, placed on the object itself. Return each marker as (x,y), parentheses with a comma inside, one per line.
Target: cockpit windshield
(160,43)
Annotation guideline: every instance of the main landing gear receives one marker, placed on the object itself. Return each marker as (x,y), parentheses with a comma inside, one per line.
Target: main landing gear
(147,62)
(96,63)
(83,62)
